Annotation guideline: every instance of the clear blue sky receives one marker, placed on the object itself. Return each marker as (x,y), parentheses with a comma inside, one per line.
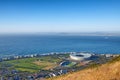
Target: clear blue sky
(59,16)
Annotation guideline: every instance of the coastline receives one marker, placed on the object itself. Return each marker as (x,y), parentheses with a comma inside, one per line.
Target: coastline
(48,65)
(14,57)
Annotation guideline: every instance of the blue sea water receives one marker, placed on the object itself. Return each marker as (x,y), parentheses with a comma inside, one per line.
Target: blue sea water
(38,44)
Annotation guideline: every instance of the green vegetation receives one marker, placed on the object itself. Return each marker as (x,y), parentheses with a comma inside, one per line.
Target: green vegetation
(31,64)
(71,64)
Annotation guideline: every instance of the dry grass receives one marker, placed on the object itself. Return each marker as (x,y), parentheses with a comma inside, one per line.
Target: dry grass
(47,65)
(104,72)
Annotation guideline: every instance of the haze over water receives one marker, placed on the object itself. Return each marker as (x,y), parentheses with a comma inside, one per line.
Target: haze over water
(56,16)
(39,44)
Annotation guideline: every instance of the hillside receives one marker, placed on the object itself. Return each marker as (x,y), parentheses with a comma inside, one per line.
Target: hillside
(109,71)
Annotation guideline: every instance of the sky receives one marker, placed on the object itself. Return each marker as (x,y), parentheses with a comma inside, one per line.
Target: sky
(31,16)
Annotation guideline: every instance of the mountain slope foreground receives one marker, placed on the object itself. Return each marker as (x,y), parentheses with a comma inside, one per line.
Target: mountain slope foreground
(109,71)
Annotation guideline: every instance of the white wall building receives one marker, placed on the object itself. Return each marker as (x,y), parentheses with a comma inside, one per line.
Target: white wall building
(80,56)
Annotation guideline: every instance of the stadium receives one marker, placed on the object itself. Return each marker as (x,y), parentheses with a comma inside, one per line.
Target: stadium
(80,56)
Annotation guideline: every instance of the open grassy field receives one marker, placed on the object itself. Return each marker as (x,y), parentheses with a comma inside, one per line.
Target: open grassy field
(32,64)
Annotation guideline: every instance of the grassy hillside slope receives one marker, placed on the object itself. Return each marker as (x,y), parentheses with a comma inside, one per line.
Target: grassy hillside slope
(109,71)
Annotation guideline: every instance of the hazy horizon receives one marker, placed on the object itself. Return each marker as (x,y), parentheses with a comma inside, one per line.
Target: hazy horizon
(63,34)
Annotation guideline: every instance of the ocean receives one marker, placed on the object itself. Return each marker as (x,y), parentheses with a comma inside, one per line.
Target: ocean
(41,44)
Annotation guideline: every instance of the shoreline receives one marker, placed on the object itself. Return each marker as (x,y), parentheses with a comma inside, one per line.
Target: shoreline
(49,65)
(14,57)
